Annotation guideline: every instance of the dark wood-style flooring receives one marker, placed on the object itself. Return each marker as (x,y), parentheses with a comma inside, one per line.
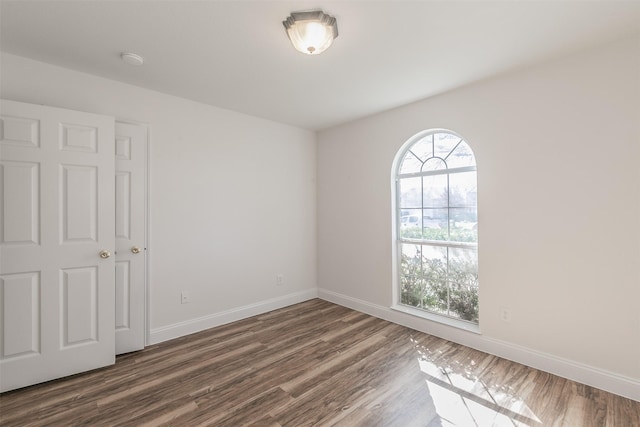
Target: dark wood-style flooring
(314,363)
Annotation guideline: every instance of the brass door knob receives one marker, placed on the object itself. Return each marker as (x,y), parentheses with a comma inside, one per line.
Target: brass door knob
(105,254)
(135,250)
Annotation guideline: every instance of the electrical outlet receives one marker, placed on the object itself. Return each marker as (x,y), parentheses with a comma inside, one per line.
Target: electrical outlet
(279,280)
(185,297)
(505,314)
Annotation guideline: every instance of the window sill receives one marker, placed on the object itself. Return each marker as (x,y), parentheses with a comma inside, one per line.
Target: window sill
(455,323)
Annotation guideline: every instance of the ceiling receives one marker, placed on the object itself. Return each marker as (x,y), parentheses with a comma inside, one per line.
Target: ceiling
(236,55)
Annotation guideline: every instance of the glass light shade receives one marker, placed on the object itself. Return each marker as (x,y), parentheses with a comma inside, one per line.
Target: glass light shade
(311,32)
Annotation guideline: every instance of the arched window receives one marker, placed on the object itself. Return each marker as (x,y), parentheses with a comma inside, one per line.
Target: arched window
(437,226)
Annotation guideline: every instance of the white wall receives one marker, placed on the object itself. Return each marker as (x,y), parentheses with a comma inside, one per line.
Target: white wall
(233,199)
(558,152)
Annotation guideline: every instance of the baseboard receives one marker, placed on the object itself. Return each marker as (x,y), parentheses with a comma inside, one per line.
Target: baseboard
(177,330)
(575,371)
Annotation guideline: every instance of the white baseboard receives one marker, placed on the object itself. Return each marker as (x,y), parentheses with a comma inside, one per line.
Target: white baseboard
(575,371)
(177,330)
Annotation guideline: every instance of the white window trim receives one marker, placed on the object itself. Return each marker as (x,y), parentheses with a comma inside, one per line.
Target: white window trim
(396,242)
(445,320)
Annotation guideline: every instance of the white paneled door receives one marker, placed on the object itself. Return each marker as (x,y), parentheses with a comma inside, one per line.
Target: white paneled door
(57,235)
(131,155)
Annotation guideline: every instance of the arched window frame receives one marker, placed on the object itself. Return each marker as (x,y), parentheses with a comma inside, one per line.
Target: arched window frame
(400,238)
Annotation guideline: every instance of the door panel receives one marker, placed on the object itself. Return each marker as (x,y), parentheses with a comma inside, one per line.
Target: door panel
(57,296)
(79,204)
(131,155)
(20,131)
(21,218)
(79,305)
(123,205)
(20,296)
(123,297)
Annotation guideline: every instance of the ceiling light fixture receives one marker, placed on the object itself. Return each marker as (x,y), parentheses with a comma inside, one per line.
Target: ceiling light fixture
(132,58)
(311,32)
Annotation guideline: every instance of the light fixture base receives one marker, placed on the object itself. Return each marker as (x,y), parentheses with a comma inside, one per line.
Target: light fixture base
(132,58)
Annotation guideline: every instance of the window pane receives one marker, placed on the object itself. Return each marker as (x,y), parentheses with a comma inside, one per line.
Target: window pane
(463,284)
(463,189)
(410,192)
(434,264)
(410,223)
(434,224)
(423,148)
(463,302)
(464,225)
(412,291)
(410,164)
(436,297)
(444,143)
(411,257)
(463,267)
(461,156)
(435,191)
(411,281)
(434,164)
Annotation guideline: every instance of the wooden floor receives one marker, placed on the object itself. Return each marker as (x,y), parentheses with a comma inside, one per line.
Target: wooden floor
(314,363)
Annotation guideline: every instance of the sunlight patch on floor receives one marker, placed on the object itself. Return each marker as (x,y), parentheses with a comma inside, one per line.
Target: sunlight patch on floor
(461,398)
(455,410)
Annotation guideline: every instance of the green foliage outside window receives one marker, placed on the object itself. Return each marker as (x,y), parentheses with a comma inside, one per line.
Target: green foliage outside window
(430,284)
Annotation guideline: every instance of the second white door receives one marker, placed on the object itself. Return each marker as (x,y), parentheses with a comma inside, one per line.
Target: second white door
(130,165)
